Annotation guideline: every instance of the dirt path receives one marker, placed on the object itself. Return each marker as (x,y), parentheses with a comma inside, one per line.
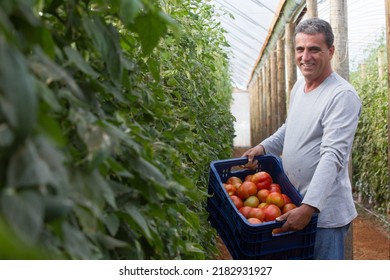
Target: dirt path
(371,235)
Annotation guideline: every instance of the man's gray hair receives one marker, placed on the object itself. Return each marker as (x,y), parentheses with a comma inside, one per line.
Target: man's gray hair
(313,26)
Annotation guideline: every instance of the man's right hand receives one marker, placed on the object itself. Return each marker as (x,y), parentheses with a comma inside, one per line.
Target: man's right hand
(251,153)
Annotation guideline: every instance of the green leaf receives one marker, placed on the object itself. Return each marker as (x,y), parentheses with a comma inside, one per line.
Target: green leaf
(112,223)
(75,57)
(24,212)
(150,27)
(27,168)
(18,101)
(136,215)
(76,243)
(106,40)
(129,9)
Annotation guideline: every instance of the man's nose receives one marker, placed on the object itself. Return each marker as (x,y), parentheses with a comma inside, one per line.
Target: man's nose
(306,55)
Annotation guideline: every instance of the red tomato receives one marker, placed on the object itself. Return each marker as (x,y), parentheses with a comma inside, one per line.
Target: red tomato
(262,195)
(271,212)
(246,189)
(287,207)
(248,177)
(262,180)
(233,179)
(254,221)
(275,198)
(237,201)
(231,190)
(275,188)
(286,198)
(257,213)
(244,210)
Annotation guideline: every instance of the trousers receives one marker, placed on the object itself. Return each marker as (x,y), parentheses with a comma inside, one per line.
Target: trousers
(329,244)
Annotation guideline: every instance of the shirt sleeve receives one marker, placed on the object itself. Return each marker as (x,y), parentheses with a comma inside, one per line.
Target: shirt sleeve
(274,143)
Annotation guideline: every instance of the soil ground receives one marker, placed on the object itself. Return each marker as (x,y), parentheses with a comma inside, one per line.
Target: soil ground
(371,233)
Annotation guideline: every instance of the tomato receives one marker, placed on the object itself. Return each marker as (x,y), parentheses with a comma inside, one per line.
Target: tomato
(233,179)
(262,180)
(262,195)
(231,190)
(271,212)
(237,201)
(254,221)
(286,198)
(275,198)
(244,210)
(262,205)
(248,177)
(246,189)
(288,207)
(277,230)
(251,201)
(257,213)
(275,188)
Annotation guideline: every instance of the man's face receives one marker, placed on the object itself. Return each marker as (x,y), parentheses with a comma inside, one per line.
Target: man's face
(313,56)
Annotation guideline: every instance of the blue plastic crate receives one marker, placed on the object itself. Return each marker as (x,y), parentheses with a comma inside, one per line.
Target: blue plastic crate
(248,241)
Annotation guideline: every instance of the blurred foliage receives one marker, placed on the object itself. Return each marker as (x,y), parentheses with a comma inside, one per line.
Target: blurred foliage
(110,113)
(370,166)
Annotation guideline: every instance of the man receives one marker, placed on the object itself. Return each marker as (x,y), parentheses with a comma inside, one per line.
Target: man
(316,140)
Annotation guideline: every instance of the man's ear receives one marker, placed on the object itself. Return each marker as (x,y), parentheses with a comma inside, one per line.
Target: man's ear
(331,51)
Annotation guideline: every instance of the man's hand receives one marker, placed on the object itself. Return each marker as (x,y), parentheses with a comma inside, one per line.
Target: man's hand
(251,153)
(297,218)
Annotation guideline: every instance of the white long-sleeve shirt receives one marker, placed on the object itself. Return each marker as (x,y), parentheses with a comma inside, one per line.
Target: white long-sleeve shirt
(315,144)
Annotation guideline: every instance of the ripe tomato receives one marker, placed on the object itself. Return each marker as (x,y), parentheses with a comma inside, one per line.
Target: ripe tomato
(287,207)
(231,190)
(275,198)
(262,180)
(277,230)
(237,201)
(248,177)
(254,221)
(257,213)
(286,198)
(271,212)
(251,201)
(262,195)
(275,188)
(233,179)
(246,189)
(244,210)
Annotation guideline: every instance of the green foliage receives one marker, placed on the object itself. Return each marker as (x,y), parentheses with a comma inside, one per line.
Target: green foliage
(110,112)
(370,169)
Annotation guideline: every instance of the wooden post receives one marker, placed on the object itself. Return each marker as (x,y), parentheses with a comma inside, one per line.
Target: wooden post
(281,83)
(339,21)
(274,92)
(258,109)
(312,10)
(387,9)
(268,96)
(264,102)
(290,59)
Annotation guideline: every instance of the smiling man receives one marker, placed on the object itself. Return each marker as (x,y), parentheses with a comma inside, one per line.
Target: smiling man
(316,141)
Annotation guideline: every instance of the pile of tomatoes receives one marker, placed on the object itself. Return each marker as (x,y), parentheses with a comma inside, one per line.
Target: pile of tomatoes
(258,198)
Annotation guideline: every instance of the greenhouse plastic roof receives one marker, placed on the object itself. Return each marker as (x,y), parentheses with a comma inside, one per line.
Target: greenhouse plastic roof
(248,23)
